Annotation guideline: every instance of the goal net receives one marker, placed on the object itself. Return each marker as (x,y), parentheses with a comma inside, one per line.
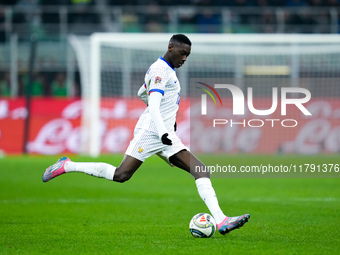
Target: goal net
(113,65)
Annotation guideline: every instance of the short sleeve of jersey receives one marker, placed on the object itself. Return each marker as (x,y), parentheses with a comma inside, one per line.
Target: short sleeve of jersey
(156,79)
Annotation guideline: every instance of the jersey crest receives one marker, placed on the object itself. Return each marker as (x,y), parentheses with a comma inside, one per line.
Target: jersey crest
(158,80)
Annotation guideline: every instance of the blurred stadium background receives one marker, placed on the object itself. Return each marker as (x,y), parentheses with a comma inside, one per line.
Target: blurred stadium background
(57,84)
(45,73)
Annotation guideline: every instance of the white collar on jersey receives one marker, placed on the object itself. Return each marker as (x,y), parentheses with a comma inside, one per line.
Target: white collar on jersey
(166,62)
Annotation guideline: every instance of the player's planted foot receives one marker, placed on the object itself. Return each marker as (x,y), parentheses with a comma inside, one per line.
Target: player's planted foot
(55,170)
(231,223)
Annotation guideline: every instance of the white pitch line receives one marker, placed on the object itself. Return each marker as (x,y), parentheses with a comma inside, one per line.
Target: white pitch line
(151,200)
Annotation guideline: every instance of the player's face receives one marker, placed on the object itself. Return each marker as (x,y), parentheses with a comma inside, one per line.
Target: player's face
(179,53)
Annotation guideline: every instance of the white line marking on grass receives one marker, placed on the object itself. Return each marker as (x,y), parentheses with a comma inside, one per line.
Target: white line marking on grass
(152,200)
(83,200)
(295,199)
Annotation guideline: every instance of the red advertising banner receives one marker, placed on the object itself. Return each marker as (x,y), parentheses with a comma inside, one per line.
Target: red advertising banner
(56,127)
(53,124)
(220,130)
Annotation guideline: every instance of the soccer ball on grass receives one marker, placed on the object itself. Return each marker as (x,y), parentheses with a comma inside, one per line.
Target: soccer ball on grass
(202,225)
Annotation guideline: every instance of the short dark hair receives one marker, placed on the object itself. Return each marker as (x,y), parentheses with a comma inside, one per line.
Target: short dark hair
(180,38)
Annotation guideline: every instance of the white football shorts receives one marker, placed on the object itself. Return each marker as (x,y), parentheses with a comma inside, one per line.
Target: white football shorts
(145,144)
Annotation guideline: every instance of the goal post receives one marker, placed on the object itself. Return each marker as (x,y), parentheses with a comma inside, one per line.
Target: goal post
(112,66)
(87,53)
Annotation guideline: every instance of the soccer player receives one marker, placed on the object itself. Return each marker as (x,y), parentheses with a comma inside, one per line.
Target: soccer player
(155,134)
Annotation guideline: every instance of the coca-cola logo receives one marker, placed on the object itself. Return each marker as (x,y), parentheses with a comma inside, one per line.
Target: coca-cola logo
(59,135)
(17,113)
(53,136)
(64,133)
(316,134)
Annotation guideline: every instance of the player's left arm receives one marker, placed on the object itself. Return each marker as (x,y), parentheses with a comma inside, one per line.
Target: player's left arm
(142,93)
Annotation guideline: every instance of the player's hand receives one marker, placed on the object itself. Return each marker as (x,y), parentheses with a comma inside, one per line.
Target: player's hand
(166,140)
(175,127)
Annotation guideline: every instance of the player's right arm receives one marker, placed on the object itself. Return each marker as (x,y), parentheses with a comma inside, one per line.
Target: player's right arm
(154,110)
(155,85)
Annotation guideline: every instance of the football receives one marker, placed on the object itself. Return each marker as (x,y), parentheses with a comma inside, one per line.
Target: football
(202,225)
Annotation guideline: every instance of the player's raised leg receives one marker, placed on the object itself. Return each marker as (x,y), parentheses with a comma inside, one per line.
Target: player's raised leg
(122,173)
(189,162)
(127,168)
(55,170)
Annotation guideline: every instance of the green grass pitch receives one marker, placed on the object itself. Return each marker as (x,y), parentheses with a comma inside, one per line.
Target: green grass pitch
(150,214)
